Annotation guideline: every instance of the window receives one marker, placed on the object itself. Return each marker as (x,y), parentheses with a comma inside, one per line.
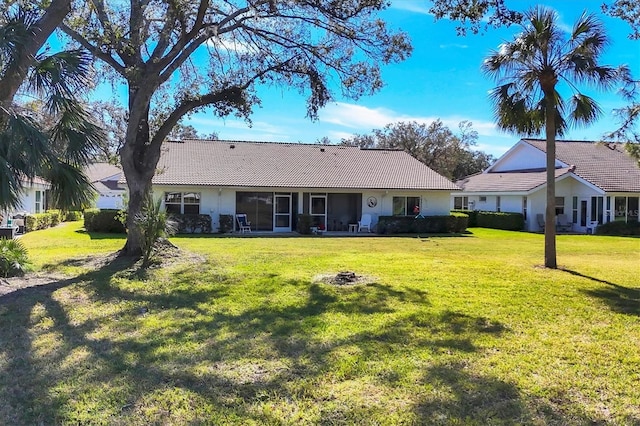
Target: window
(559,205)
(461,203)
(406,206)
(482,199)
(626,209)
(38,204)
(524,208)
(574,210)
(191,203)
(498,203)
(182,203)
(597,205)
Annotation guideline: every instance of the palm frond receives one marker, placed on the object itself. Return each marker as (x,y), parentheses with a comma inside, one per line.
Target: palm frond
(75,136)
(59,78)
(70,187)
(584,110)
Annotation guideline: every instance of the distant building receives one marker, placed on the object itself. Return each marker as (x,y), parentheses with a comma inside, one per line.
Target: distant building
(595,183)
(104,178)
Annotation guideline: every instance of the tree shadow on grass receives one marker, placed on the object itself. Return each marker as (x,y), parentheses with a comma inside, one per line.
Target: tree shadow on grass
(619,298)
(84,350)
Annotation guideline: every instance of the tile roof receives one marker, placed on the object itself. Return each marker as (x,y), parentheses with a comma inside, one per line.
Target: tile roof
(97,172)
(292,165)
(517,181)
(606,165)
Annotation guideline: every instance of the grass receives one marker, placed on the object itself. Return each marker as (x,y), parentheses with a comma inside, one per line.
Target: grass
(447,330)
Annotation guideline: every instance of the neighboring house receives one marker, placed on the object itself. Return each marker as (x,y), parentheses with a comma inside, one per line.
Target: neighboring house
(104,178)
(274,182)
(33,198)
(595,183)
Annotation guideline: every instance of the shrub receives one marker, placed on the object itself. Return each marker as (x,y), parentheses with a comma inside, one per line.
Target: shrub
(96,220)
(13,258)
(72,216)
(304,224)
(154,224)
(473,216)
(226,223)
(454,223)
(501,220)
(55,217)
(193,223)
(619,228)
(34,222)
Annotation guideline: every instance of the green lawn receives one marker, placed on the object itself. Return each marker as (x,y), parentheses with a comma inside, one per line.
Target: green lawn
(445,330)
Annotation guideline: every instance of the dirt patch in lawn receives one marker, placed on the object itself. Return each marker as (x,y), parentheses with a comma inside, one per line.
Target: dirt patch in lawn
(343,278)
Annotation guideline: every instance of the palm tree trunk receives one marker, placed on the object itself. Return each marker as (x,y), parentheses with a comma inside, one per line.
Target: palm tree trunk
(550,212)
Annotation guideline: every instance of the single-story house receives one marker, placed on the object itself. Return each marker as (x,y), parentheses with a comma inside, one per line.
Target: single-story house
(33,199)
(596,183)
(104,177)
(272,183)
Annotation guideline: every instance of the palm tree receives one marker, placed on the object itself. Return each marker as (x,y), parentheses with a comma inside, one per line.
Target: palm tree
(28,148)
(528,71)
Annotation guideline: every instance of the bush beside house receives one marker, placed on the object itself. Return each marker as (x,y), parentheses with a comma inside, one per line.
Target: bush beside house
(501,220)
(193,223)
(619,228)
(473,216)
(226,223)
(454,223)
(105,220)
(34,222)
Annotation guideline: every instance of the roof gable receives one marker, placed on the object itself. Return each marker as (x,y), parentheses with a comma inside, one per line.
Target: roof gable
(606,165)
(292,165)
(522,156)
(99,172)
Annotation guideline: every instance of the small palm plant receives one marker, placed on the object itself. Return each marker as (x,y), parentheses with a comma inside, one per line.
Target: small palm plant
(527,100)
(154,224)
(13,258)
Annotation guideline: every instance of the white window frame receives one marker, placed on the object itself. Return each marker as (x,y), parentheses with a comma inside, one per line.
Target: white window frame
(182,202)
(463,202)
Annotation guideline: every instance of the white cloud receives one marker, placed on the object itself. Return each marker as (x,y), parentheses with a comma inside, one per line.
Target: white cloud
(410,6)
(453,45)
(365,119)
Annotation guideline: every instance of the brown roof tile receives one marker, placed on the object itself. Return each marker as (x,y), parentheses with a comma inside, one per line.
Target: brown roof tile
(606,165)
(522,181)
(292,165)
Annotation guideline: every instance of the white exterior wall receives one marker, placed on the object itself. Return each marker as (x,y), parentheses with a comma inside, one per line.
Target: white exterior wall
(217,201)
(110,200)
(536,202)
(523,157)
(28,199)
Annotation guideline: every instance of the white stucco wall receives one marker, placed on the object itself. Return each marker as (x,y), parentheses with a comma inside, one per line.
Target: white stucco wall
(522,157)
(217,201)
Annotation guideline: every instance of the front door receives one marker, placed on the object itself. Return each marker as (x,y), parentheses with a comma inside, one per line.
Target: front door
(282,213)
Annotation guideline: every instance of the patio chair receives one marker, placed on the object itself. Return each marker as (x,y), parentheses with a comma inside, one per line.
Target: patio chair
(243,224)
(365,222)
(563,223)
(540,221)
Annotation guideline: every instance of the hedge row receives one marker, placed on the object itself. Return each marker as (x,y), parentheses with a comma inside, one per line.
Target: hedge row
(454,223)
(473,216)
(193,223)
(103,220)
(501,220)
(33,222)
(619,228)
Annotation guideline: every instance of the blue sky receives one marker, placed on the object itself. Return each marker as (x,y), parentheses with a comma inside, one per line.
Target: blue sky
(441,80)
